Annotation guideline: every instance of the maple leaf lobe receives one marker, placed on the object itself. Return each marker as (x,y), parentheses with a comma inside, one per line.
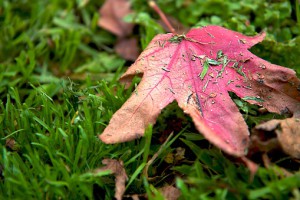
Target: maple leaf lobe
(171,70)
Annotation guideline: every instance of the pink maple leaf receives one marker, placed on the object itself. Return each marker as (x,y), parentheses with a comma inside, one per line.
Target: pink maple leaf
(198,70)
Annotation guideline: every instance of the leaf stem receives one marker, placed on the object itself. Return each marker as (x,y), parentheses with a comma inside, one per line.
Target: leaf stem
(155,7)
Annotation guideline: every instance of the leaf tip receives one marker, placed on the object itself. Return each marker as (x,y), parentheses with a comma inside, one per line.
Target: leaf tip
(259,37)
(105,138)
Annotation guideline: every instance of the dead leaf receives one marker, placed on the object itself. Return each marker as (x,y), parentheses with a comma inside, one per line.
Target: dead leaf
(180,152)
(264,146)
(170,192)
(278,170)
(127,48)
(175,157)
(189,69)
(112,14)
(288,134)
(135,197)
(10,143)
(117,168)
(111,17)
(269,125)
(169,158)
(253,167)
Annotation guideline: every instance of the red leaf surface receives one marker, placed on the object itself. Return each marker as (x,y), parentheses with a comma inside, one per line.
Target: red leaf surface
(198,70)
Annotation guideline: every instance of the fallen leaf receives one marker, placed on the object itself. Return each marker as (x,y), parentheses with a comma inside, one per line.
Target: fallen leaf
(170,192)
(10,143)
(269,125)
(252,166)
(127,48)
(180,152)
(117,168)
(135,197)
(175,157)
(111,17)
(198,70)
(288,134)
(278,170)
(263,146)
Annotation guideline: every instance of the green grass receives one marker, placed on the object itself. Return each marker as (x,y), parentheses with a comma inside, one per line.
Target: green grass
(59,88)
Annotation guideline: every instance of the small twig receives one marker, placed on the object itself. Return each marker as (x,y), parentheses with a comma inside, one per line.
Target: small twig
(155,7)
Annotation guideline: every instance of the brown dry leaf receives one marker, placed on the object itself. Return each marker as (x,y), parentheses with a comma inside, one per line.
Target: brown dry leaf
(10,143)
(117,168)
(280,171)
(112,14)
(180,152)
(253,167)
(288,134)
(175,157)
(263,146)
(135,197)
(169,158)
(170,192)
(127,48)
(269,125)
